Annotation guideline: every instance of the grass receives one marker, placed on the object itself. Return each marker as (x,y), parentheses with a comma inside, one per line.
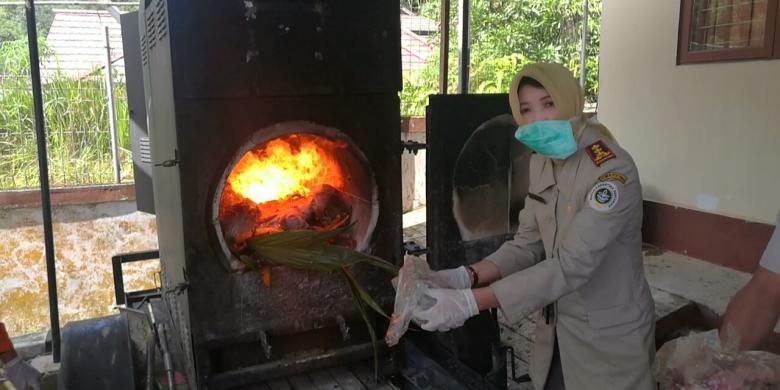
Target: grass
(76,119)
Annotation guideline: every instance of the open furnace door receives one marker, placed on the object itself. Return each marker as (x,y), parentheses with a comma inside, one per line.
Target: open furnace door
(476,183)
(477,177)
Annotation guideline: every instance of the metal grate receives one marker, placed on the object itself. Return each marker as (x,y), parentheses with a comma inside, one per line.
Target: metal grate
(151,29)
(145,150)
(144,50)
(727,24)
(161,15)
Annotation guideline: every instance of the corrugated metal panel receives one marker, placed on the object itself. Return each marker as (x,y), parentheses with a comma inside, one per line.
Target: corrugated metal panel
(76,40)
(414,51)
(415,46)
(417,23)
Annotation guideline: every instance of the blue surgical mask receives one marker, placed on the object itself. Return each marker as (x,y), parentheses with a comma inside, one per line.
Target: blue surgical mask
(554,139)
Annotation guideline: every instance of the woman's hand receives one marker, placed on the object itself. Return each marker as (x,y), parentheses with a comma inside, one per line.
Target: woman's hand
(451,310)
(460,278)
(455,278)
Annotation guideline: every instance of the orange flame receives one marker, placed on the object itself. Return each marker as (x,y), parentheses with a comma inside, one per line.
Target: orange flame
(285,168)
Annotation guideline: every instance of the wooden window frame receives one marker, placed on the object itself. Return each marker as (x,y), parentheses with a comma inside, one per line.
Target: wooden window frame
(770,49)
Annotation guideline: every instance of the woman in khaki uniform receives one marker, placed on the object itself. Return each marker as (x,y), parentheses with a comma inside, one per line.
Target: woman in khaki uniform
(576,257)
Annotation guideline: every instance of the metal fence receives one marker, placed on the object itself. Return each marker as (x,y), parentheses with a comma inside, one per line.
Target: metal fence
(79,49)
(77,127)
(419,56)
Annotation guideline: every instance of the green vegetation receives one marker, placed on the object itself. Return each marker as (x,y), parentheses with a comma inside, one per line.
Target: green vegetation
(76,115)
(505,35)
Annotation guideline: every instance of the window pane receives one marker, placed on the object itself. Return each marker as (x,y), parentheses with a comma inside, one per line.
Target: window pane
(727,24)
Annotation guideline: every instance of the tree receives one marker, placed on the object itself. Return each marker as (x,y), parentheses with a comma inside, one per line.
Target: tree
(13,22)
(505,35)
(11,28)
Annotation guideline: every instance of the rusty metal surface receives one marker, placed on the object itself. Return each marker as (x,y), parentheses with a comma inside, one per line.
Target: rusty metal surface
(290,367)
(228,49)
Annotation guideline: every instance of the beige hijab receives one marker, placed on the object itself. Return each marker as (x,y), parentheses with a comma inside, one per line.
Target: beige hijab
(564,90)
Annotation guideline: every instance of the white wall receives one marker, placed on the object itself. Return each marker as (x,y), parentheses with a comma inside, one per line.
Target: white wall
(413,174)
(705,137)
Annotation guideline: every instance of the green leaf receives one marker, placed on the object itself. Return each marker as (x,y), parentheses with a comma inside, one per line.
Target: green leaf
(369,323)
(297,238)
(363,294)
(248,262)
(310,251)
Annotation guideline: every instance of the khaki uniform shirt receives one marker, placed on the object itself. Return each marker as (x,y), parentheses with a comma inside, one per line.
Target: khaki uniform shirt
(579,246)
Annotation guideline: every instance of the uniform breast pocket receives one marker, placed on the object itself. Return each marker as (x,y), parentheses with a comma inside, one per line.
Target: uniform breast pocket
(544,202)
(545,220)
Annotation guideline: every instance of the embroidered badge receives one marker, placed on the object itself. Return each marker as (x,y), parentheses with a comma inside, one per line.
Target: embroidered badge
(613,176)
(603,196)
(599,153)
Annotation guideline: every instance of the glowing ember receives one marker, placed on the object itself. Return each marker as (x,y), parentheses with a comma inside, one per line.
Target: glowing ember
(290,183)
(282,170)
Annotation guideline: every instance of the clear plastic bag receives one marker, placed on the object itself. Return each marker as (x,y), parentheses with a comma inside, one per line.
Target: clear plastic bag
(699,362)
(409,294)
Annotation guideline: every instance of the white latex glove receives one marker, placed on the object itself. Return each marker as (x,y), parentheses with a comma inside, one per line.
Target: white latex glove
(457,278)
(22,375)
(451,310)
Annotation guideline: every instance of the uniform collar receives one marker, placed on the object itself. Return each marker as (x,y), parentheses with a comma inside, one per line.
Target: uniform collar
(546,177)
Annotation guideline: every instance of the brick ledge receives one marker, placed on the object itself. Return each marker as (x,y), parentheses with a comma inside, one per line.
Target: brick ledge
(68,196)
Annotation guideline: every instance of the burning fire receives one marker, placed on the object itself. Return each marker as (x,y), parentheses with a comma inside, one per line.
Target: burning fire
(290,183)
(283,169)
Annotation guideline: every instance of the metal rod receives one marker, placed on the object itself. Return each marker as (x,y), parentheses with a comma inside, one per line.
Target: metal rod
(117,168)
(116,268)
(40,135)
(150,349)
(444,46)
(119,280)
(463,46)
(167,361)
(584,45)
(291,366)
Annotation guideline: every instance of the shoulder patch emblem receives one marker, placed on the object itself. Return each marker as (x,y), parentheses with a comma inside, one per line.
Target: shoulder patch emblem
(613,176)
(603,196)
(599,153)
